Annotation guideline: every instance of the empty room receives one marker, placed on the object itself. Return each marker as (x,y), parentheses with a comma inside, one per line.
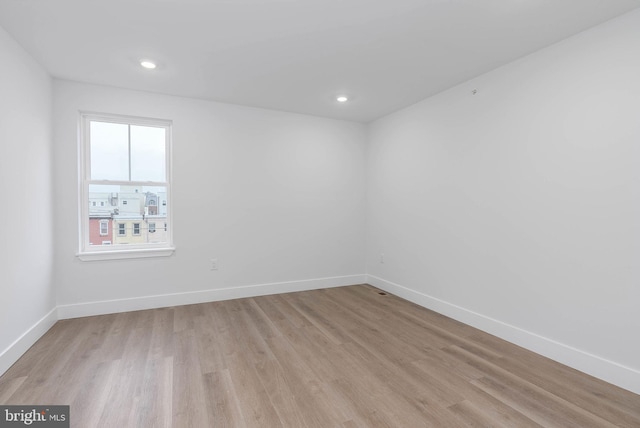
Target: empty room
(320,213)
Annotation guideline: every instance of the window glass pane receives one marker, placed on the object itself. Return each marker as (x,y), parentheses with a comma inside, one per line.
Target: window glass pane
(147,153)
(109,151)
(134,211)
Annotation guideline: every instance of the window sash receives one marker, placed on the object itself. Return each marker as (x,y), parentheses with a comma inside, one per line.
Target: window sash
(86,181)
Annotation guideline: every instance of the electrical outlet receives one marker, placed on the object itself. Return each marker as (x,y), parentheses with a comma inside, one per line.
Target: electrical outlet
(214,264)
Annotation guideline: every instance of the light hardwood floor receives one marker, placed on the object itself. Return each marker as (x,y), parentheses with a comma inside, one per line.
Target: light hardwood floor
(342,357)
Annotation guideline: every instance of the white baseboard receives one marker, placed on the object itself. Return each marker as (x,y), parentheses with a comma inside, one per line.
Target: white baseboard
(609,371)
(14,351)
(176,299)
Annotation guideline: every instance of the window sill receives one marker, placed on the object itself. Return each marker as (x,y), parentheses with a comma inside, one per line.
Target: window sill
(125,254)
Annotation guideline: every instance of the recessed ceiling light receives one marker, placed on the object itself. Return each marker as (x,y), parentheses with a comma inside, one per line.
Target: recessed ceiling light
(148,64)
(342,99)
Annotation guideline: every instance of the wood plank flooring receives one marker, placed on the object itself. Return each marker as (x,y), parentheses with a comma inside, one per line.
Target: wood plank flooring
(341,357)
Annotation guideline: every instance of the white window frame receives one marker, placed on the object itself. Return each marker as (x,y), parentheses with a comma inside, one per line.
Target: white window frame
(89,252)
(104,223)
(134,229)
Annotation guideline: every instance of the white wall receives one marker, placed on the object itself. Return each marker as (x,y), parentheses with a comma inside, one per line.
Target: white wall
(518,209)
(26,293)
(276,197)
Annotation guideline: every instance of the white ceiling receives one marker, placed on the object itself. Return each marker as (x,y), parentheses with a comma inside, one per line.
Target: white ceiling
(294,55)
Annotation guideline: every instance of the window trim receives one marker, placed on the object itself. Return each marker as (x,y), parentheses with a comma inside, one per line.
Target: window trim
(88,252)
(106,224)
(122,229)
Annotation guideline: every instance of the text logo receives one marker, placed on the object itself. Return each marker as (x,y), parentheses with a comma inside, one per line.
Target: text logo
(34,416)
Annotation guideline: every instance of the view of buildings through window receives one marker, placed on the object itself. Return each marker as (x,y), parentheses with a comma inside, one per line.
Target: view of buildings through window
(127,214)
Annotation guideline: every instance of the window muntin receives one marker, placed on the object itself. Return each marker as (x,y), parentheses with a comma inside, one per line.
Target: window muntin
(126,165)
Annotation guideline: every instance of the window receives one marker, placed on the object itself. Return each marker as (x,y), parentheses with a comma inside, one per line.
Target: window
(152,227)
(104,228)
(128,160)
